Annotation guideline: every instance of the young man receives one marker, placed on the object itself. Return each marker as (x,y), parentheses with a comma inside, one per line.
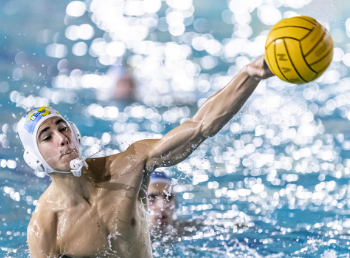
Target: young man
(161,202)
(100,209)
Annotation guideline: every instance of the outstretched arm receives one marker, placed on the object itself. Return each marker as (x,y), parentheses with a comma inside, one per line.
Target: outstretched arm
(180,142)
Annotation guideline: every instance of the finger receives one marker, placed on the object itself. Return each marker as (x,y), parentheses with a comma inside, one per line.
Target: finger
(265,65)
(261,72)
(256,72)
(268,72)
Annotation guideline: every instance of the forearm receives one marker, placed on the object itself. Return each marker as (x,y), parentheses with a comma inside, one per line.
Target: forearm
(180,142)
(224,104)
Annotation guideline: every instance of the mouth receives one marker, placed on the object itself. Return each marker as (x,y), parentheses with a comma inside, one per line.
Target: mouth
(162,220)
(67,153)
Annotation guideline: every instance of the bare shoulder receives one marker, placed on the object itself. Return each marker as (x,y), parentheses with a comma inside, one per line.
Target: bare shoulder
(142,148)
(101,169)
(136,152)
(42,228)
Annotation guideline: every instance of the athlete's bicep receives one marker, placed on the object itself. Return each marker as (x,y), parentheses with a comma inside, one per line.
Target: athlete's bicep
(174,147)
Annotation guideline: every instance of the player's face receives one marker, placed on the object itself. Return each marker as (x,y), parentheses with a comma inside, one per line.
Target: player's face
(161,204)
(57,144)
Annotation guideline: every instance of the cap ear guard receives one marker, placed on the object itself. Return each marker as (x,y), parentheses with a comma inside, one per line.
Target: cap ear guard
(33,161)
(75,131)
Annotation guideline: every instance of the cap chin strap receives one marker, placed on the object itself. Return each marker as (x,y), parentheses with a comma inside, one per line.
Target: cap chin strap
(76,165)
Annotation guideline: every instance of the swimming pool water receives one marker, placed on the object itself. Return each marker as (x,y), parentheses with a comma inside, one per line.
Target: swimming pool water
(273,183)
(255,173)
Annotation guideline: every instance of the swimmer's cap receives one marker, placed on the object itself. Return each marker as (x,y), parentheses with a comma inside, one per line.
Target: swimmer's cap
(27,129)
(160,177)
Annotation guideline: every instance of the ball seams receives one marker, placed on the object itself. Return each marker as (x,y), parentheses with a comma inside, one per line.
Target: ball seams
(280,38)
(289,26)
(308,33)
(323,57)
(268,62)
(300,17)
(312,43)
(279,68)
(291,61)
(309,65)
(318,42)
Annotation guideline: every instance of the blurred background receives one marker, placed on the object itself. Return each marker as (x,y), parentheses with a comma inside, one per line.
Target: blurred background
(126,70)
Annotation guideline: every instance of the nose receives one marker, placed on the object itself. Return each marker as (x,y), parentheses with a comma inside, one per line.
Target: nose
(163,204)
(62,139)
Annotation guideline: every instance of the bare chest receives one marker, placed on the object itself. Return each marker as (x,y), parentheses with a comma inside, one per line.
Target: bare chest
(113,225)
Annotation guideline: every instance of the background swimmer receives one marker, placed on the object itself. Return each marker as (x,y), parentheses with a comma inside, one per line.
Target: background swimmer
(165,226)
(161,201)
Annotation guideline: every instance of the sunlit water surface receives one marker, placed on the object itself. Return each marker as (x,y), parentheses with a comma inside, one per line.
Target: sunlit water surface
(273,182)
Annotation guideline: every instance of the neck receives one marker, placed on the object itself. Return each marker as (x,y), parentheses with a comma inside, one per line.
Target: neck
(68,188)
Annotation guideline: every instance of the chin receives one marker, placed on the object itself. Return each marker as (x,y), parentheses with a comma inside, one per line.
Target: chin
(64,166)
(66,159)
(63,163)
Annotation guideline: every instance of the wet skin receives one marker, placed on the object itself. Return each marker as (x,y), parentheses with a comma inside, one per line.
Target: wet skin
(164,227)
(57,144)
(103,213)
(161,205)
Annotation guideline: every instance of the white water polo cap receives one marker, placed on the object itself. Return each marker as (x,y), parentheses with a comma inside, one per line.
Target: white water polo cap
(27,130)
(159,177)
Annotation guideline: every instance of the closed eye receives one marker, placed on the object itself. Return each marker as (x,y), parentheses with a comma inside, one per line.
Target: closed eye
(47,138)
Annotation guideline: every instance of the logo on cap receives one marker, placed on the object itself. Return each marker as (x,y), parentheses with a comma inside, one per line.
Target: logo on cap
(34,116)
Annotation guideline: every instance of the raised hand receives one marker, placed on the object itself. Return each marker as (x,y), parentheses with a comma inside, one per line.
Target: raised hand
(258,69)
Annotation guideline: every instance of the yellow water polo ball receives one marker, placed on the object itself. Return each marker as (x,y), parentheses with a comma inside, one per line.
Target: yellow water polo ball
(298,49)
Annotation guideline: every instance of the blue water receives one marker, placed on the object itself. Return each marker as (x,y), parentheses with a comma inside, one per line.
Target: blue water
(280,168)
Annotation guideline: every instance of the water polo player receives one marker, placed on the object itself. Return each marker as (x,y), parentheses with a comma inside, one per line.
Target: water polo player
(97,207)
(161,201)
(164,225)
